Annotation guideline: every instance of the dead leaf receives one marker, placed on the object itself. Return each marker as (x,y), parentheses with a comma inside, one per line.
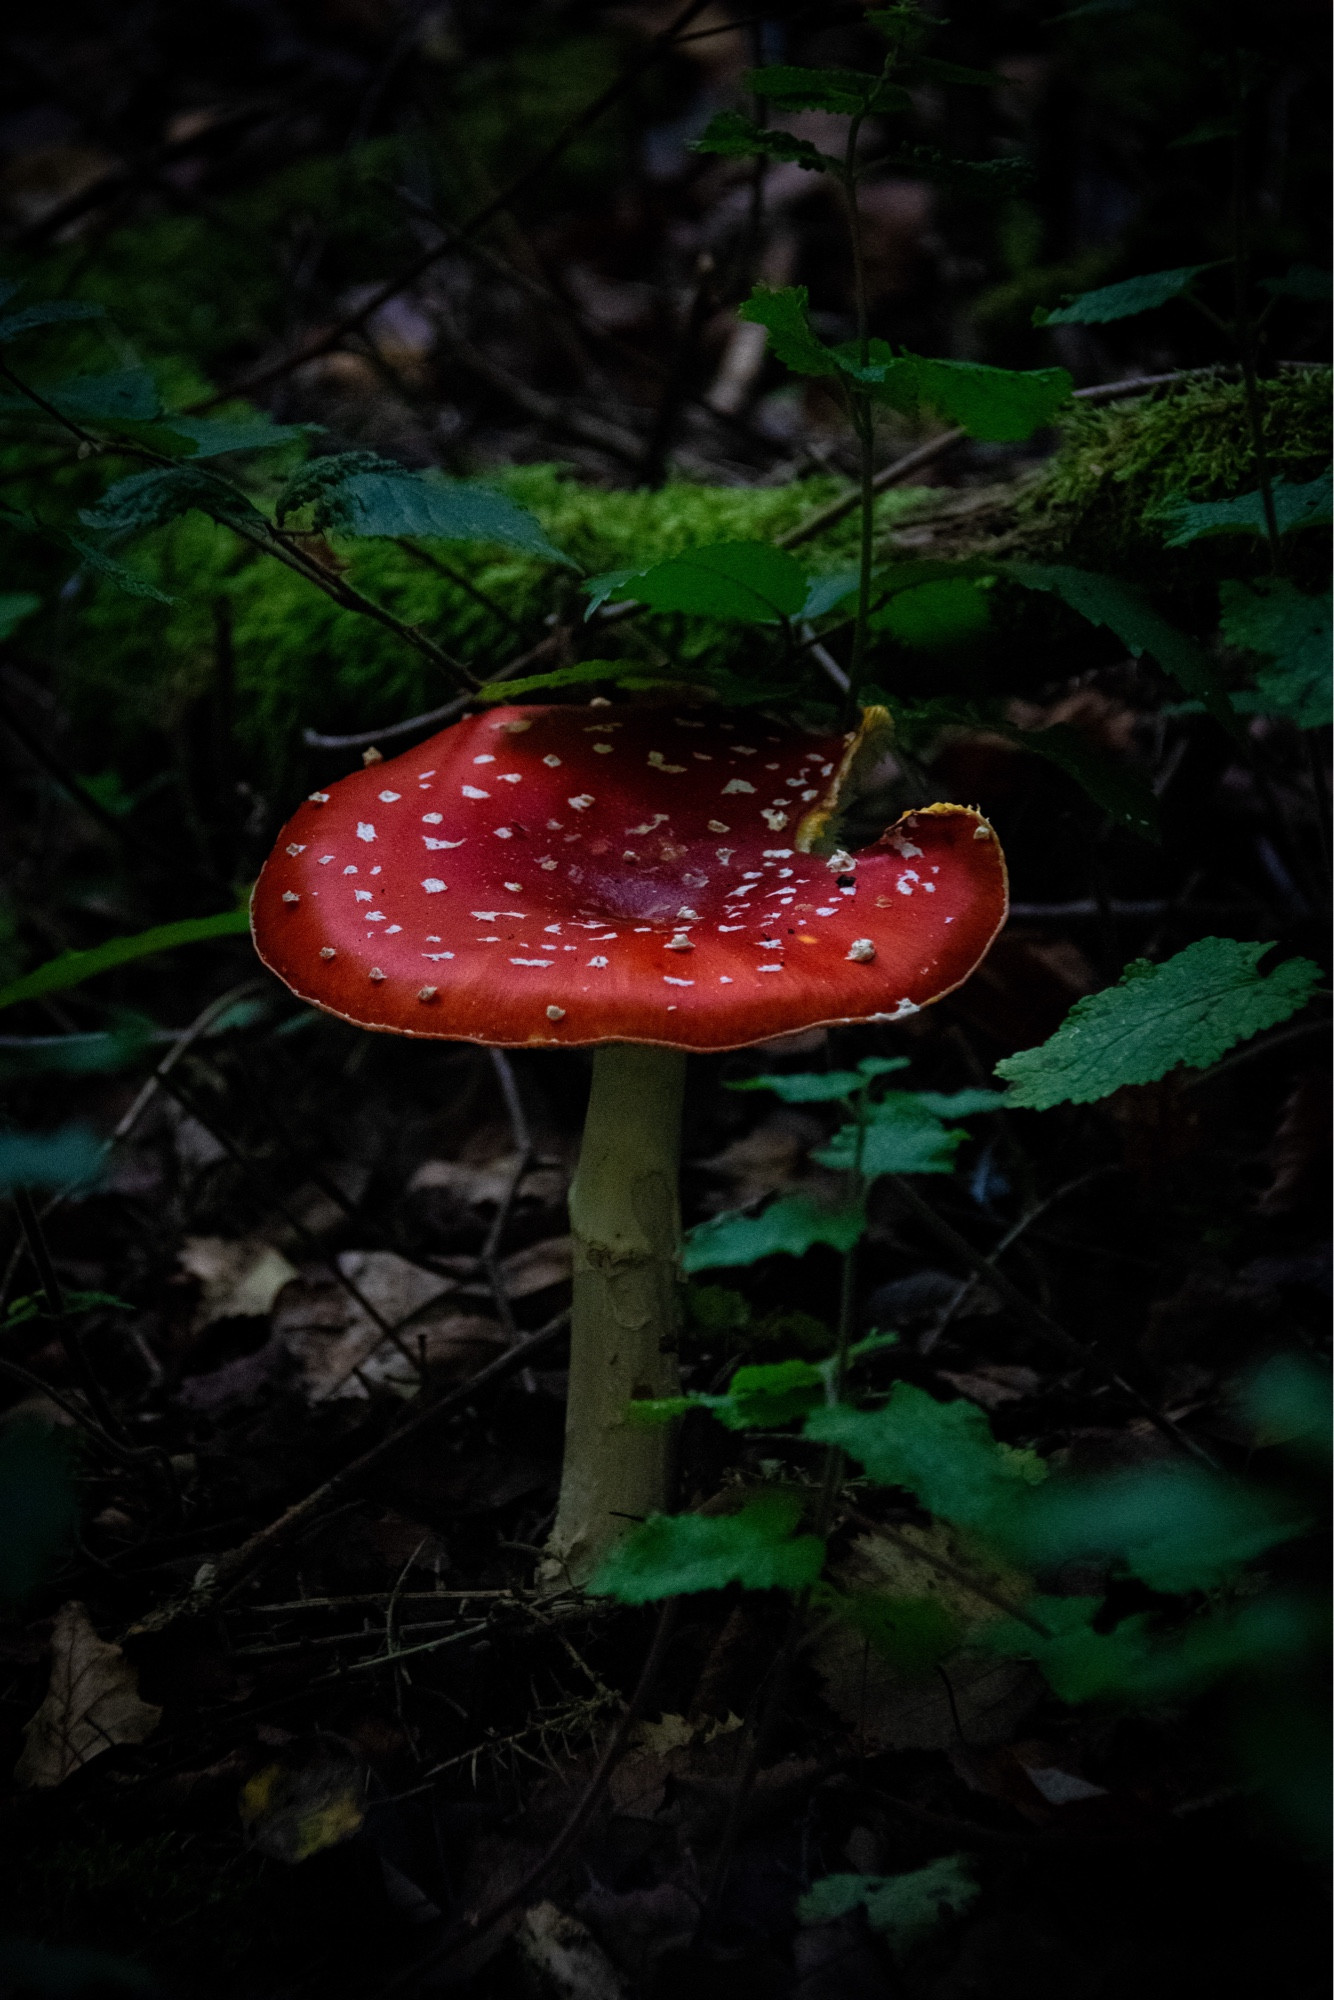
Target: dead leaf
(994,1383)
(329,1334)
(536,1268)
(240,1280)
(564,1959)
(893,1710)
(290,1811)
(488,1185)
(766,1158)
(671,1748)
(92,1703)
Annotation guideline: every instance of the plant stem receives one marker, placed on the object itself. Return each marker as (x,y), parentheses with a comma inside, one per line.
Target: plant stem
(625,1221)
(1243,323)
(863,420)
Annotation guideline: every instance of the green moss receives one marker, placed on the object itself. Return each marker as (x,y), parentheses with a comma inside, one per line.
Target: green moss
(1094,502)
(134,670)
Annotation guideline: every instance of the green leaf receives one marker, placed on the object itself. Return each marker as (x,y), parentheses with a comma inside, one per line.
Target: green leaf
(848,93)
(73,967)
(1309,506)
(942,1452)
(120,395)
(360,493)
(15,606)
(826,593)
(782,312)
(738,137)
(903,1137)
(904,1909)
(933,616)
(1131,1663)
(1106,600)
(1272,616)
(1288,1401)
(749,581)
(1109,782)
(212,436)
(631,674)
(1188,1011)
(126,579)
(1176,1527)
(767,1393)
(54,312)
(672,1555)
(49,1159)
(1123,301)
(38,1505)
(996,404)
(914,1634)
(811,1086)
(960,1103)
(790,1225)
(150,499)
(1302,281)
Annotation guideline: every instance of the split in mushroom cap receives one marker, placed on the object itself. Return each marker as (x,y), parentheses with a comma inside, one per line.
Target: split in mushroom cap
(563,876)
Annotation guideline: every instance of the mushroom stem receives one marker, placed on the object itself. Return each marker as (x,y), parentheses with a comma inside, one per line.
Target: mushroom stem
(626,1225)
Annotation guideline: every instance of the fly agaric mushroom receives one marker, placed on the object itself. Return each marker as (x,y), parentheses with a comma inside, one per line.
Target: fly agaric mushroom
(649,884)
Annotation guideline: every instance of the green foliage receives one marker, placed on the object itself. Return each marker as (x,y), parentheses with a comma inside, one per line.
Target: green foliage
(130,582)
(1106,600)
(763,1394)
(73,967)
(1176,1527)
(999,405)
(673,1555)
(1272,617)
(831,1086)
(902,1136)
(52,312)
(1123,301)
(748,581)
(628,674)
(783,312)
(736,137)
(942,1452)
(38,1504)
(847,93)
(934,616)
(1295,506)
(1189,1011)
(150,499)
(1301,281)
(358,493)
(790,1225)
(15,606)
(904,1909)
(913,1634)
(73,1155)
(1288,1402)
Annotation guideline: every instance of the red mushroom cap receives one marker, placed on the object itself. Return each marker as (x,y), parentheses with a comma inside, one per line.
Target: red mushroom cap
(605,874)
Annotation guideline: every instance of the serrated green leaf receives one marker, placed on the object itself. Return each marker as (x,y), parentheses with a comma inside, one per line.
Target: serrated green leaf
(50,1159)
(904,1909)
(1272,616)
(767,1393)
(1123,301)
(73,967)
(126,579)
(54,312)
(1176,1527)
(903,1137)
(942,1452)
(932,617)
(150,499)
(752,582)
(848,93)
(1106,600)
(734,136)
(783,313)
(996,404)
(15,606)
(119,395)
(1188,1011)
(789,1226)
(1302,281)
(360,493)
(1308,506)
(673,1555)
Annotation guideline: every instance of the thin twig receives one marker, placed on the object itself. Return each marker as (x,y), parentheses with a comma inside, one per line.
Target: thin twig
(361,738)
